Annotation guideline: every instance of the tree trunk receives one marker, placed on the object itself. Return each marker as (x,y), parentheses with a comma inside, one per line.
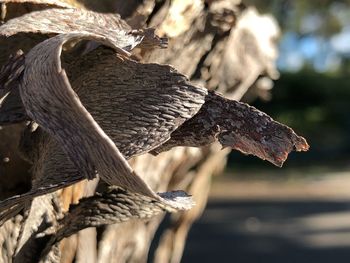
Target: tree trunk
(216,44)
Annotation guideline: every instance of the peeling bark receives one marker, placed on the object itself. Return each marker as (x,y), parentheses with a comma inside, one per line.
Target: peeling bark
(58,3)
(97,108)
(227,121)
(239,126)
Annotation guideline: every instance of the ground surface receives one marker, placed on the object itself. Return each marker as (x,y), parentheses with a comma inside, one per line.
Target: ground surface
(287,220)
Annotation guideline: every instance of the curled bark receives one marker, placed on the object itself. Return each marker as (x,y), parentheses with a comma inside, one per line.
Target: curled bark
(116,206)
(239,126)
(61,21)
(57,3)
(218,119)
(97,108)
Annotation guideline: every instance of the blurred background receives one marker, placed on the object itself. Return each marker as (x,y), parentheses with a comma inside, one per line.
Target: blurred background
(300,213)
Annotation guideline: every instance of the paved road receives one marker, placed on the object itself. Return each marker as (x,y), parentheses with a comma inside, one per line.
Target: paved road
(304,227)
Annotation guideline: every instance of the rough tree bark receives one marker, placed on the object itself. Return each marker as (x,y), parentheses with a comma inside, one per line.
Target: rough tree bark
(84,95)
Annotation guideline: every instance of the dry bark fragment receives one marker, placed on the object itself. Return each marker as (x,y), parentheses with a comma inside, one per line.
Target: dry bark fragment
(11,10)
(116,206)
(167,105)
(15,8)
(239,126)
(230,136)
(113,206)
(61,21)
(57,3)
(90,149)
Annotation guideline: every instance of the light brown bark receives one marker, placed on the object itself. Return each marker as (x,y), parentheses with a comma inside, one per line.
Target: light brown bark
(97,107)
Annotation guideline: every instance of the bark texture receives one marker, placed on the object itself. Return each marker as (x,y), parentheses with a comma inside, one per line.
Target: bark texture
(95,92)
